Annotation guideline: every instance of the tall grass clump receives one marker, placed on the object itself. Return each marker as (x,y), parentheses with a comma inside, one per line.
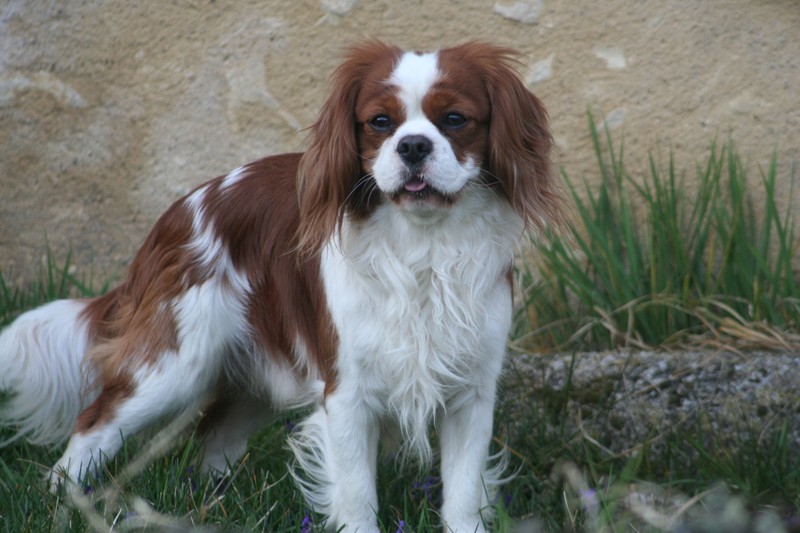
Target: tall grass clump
(649,262)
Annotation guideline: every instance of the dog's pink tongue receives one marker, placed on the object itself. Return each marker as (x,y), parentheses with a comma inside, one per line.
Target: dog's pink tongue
(415,186)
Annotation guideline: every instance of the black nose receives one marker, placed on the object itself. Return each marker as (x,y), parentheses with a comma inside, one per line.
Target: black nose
(414,148)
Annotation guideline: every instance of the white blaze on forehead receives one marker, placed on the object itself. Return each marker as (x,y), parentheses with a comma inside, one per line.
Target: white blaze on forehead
(414,76)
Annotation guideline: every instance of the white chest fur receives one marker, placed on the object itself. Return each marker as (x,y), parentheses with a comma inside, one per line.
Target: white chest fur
(422,310)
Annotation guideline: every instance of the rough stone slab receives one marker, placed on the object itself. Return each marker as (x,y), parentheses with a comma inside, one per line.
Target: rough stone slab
(621,399)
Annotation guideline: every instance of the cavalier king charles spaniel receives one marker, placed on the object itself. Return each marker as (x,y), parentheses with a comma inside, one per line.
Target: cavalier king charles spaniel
(368,279)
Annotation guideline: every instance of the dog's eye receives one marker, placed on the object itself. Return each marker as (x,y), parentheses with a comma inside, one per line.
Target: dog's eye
(381,123)
(454,120)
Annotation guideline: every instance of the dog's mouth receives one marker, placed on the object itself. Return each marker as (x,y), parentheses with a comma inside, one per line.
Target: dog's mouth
(417,189)
(415,185)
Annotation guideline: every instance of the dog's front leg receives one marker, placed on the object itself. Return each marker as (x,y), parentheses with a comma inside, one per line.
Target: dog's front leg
(465,435)
(336,448)
(354,447)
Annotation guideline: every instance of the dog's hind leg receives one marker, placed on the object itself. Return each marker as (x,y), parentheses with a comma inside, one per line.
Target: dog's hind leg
(153,387)
(126,407)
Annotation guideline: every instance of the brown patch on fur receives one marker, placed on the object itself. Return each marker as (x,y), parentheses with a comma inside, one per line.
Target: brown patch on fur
(257,219)
(105,406)
(376,97)
(130,326)
(332,168)
(458,92)
(134,323)
(519,139)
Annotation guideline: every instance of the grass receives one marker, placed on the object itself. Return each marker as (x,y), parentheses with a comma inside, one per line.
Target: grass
(54,282)
(647,265)
(651,263)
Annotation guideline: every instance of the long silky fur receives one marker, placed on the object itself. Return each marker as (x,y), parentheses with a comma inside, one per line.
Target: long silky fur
(43,372)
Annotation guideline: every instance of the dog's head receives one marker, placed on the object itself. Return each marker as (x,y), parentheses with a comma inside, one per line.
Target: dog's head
(419,130)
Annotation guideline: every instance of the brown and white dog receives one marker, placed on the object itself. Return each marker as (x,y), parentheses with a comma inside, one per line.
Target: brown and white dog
(369,277)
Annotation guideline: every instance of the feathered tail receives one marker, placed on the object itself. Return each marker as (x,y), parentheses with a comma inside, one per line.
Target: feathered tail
(43,380)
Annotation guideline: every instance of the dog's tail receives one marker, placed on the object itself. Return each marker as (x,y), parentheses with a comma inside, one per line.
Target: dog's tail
(44,383)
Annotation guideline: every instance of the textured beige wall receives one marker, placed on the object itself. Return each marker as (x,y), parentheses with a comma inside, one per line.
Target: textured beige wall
(112,109)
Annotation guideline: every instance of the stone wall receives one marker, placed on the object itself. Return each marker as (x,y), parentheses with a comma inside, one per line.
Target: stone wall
(111,109)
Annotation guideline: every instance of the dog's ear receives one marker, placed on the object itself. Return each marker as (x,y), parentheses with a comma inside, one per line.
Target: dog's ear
(331,167)
(520,143)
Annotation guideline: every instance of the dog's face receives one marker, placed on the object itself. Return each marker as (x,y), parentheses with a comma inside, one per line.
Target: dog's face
(419,131)
(423,138)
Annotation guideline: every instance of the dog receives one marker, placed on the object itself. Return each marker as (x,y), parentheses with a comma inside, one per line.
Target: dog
(368,278)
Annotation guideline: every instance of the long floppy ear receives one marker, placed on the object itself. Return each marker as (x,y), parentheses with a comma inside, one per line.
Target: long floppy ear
(331,167)
(520,143)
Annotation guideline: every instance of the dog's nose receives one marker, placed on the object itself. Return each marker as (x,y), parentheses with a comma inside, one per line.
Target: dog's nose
(414,148)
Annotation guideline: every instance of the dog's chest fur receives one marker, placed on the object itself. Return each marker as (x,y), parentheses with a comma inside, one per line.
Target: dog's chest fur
(418,311)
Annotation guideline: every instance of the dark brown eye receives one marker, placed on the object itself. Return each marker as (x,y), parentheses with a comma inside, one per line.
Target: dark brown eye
(454,120)
(381,123)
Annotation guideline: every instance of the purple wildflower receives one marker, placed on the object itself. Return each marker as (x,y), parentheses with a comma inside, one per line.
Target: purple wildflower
(189,476)
(307,523)
(589,499)
(401,526)
(426,490)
